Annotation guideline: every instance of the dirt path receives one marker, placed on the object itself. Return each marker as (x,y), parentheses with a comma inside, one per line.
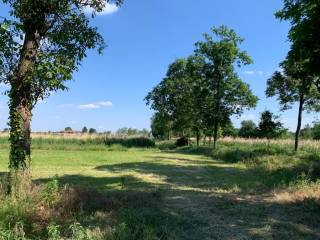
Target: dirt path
(225,201)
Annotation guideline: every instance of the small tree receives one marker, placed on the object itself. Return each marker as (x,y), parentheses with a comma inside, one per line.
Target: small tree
(269,126)
(229,130)
(294,85)
(68,129)
(92,131)
(316,131)
(248,129)
(84,130)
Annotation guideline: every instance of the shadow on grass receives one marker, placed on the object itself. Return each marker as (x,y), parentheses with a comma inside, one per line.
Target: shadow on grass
(137,208)
(200,177)
(172,213)
(121,183)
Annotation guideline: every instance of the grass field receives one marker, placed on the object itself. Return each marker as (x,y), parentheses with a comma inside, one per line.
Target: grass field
(244,190)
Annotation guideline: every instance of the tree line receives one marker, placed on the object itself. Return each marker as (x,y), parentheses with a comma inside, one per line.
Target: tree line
(201,92)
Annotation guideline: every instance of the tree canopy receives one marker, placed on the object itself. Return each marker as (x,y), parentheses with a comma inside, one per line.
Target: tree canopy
(304,34)
(200,93)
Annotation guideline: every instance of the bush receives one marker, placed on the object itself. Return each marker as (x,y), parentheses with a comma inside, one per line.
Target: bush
(181,142)
(131,142)
(166,145)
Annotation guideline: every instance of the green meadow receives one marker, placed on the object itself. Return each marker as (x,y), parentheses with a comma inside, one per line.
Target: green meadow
(243,190)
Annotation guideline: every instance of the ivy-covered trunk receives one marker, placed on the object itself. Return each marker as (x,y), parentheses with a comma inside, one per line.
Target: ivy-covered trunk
(21,104)
(20,137)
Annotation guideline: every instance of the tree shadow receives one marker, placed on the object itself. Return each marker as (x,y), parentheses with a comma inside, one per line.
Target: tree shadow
(119,183)
(215,200)
(187,213)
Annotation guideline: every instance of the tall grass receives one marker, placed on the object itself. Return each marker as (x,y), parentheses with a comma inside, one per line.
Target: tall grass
(78,142)
(54,212)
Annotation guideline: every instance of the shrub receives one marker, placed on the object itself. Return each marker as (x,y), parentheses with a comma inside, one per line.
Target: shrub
(181,142)
(166,145)
(131,142)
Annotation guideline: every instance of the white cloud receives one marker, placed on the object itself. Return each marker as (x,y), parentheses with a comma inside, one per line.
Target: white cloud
(89,106)
(106,104)
(108,9)
(259,72)
(102,104)
(248,117)
(248,72)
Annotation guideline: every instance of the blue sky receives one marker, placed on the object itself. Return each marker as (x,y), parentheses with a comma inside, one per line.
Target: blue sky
(143,38)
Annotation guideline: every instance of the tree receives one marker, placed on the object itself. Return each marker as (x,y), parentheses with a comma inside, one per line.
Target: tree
(293,85)
(269,126)
(122,131)
(229,130)
(248,129)
(307,132)
(68,129)
(230,95)
(92,131)
(54,36)
(175,99)
(84,129)
(160,127)
(316,131)
(304,35)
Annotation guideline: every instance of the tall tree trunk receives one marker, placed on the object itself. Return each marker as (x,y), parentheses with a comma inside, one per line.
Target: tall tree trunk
(217,119)
(301,102)
(215,134)
(21,104)
(20,139)
(198,138)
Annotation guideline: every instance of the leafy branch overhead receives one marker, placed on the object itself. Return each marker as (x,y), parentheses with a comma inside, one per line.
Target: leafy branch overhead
(63,34)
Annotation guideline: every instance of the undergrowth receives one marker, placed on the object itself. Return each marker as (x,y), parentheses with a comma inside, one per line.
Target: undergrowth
(54,212)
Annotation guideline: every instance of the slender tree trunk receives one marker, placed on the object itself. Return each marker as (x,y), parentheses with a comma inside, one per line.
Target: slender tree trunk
(215,135)
(21,104)
(217,120)
(198,138)
(296,144)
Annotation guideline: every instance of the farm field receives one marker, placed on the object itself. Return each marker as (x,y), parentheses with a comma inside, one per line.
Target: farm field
(241,191)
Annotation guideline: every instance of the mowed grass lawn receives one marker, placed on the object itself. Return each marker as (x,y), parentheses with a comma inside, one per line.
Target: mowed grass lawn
(197,196)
